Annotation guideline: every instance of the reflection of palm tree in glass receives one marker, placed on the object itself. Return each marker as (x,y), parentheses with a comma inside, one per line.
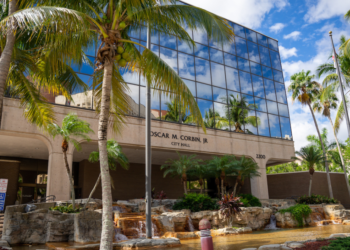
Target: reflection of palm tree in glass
(214,120)
(175,113)
(238,113)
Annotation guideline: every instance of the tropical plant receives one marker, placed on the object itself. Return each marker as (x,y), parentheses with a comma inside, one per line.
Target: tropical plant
(212,119)
(176,113)
(310,156)
(299,213)
(316,199)
(198,171)
(68,209)
(246,168)
(305,90)
(286,168)
(229,206)
(337,244)
(115,155)
(249,200)
(72,129)
(196,202)
(180,167)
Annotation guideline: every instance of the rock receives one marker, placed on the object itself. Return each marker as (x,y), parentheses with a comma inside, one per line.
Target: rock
(286,220)
(339,235)
(3,243)
(250,249)
(132,206)
(158,210)
(253,217)
(346,222)
(334,212)
(295,245)
(270,247)
(136,243)
(87,226)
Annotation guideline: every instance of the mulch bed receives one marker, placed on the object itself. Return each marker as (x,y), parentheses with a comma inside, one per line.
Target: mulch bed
(315,245)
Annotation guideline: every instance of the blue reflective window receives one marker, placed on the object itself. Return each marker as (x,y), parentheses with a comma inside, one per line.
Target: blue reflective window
(88,66)
(155,49)
(215,44)
(241,46)
(267,72)
(232,97)
(221,121)
(255,68)
(86,79)
(191,85)
(246,83)
(166,105)
(263,124)
(262,39)
(249,101)
(283,110)
(188,30)
(91,50)
(129,76)
(230,47)
(265,56)
(243,64)
(251,125)
(238,30)
(201,51)
(133,94)
(230,60)
(155,105)
(202,71)
(142,48)
(204,91)
(270,90)
(285,127)
(134,32)
(218,75)
(260,104)
(277,75)
(273,44)
(272,107)
(204,107)
(232,79)
(275,127)
(168,41)
(258,86)
(216,55)
(251,35)
(143,35)
(253,52)
(281,93)
(184,47)
(155,36)
(169,56)
(275,60)
(200,36)
(186,66)
(219,95)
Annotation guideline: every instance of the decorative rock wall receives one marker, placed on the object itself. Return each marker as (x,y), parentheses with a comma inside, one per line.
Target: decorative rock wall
(87,226)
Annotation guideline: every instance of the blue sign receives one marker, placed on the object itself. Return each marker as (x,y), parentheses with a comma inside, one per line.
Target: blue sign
(2,201)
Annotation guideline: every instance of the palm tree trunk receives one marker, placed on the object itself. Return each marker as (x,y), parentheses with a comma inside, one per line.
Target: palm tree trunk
(70,177)
(222,187)
(234,189)
(93,191)
(107,212)
(185,188)
(6,56)
(310,185)
(341,156)
(324,154)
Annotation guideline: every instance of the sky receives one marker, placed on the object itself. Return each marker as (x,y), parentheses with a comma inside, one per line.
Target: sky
(301,28)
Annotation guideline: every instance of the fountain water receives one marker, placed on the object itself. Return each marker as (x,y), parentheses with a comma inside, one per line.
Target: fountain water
(118,236)
(272,225)
(190,224)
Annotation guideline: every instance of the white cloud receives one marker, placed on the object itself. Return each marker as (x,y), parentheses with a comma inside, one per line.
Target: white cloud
(294,35)
(277,27)
(325,9)
(249,13)
(286,53)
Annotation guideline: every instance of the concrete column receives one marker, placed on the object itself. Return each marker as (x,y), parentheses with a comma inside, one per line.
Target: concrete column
(259,185)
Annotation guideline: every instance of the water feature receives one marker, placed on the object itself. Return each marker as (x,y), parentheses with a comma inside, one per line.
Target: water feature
(190,224)
(118,236)
(272,225)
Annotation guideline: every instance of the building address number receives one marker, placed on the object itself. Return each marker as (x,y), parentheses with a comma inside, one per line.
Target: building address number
(260,156)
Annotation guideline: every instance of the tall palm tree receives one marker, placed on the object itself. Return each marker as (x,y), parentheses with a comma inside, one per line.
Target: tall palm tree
(247,168)
(115,155)
(305,90)
(198,171)
(311,157)
(180,167)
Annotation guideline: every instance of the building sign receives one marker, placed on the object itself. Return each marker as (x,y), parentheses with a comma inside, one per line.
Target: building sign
(179,140)
(3,190)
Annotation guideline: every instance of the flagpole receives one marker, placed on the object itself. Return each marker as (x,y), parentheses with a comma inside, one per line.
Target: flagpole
(344,102)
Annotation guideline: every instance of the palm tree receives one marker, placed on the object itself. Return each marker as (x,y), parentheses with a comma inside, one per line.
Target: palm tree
(176,114)
(180,167)
(247,168)
(198,171)
(213,119)
(115,155)
(305,91)
(72,128)
(311,157)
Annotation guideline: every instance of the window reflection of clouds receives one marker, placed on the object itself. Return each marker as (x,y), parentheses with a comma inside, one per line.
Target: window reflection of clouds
(201,51)
(155,36)
(129,76)
(155,104)
(283,110)
(258,86)
(243,64)
(281,93)
(230,47)
(232,79)
(275,59)
(234,95)
(186,66)
(251,35)
(275,128)
(263,127)
(133,100)
(273,44)
(219,94)
(230,60)
(262,39)
(168,41)
(267,72)
(184,47)
(169,56)
(241,46)
(204,106)
(250,128)
(249,101)
(255,68)
(220,108)
(163,103)
(204,91)
(265,56)
(215,44)
(272,107)
(277,75)
(216,55)
(200,36)
(285,127)
(270,90)
(246,83)
(202,71)
(261,104)
(143,33)
(253,52)
(218,75)
(238,30)
(191,85)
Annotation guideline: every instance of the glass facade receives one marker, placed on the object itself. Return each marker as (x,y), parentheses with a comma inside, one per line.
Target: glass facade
(239,87)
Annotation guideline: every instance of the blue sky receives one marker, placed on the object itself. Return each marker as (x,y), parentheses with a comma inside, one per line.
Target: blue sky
(301,27)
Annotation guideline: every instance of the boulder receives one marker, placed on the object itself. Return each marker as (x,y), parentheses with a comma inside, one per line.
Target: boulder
(295,245)
(339,235)
(253,217)
(129,205)
(173,221)
(146,243)
(335,212)
(87,226)
(274,247)
(286,220)
(3,243)
(346,222)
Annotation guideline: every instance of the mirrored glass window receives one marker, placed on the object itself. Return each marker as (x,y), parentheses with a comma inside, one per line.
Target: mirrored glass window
(168,41)
(277,75)
(283,110)
(215,44)
(265,56)
(263,124)
(251,35)
(191,85)
(234,98)
(184,47)
(262,39)
(169,56)
(133,100)
(260,104)
(129,76)
(155,49)
(143,35)
(202,71)
(281,93)
(201,51)
(134,32)
(258,86)
(206,108)
(275,127)
(218,75)
(91,50)
(216,56)
(270,90)
(186,66)
(232,79)
(200,36)
(88,66)
(241,46)
(204,91)
(230,60)
(272,107)
(267,72)
(243,64)
(86,79)
(253,52)
(251,126)
(273,44)
(285,127)
(155,105)
(221,121)
(255,68)
(230,47)
(155,36)
(238,30)
(169,108)
(219,95)
(246,83)
(275,60)
(248,101)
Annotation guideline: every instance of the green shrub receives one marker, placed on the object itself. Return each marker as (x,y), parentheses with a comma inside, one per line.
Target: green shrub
(298,212)
(66,209)
(249,200)
(338,244)
(196,202)
(316,199)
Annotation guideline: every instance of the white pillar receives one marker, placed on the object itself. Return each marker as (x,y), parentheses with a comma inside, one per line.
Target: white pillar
(259,186)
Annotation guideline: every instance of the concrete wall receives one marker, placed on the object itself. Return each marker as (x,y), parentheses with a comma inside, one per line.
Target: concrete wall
(9,169)
(282,186)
